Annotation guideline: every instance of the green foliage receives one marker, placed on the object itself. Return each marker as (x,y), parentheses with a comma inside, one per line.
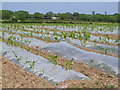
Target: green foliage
(3,34)
(104,49)
(38,15)
(49,15)
(27,41)
(43,71)
(111,86)
(31,63)
(28,49)
(56,38)
(97,83)
(14,19)
(7,14)
(28,62)
(65,16)
(83,83)
(19,16)
(91,60)
(68,64)
(54,59)
(18,58)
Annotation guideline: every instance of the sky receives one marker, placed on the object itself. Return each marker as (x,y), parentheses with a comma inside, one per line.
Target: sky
(60,0)
(62,7)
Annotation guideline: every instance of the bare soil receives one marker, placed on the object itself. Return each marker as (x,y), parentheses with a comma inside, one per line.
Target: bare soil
(112,36)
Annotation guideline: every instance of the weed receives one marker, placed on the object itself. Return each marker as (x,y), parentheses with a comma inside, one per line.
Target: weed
(111,86)
(91,60)
(97,83)
(54,58)
(68,64)
(18,58)
(28,49)
(83,83)
(31,63)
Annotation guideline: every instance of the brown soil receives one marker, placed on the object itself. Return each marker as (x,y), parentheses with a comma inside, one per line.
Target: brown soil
(15,77)
(112,36)
(104,43)
(97,76)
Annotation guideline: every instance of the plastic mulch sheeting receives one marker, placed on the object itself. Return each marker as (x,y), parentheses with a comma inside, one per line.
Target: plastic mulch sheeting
(100,61)
(42,67)
(104,62)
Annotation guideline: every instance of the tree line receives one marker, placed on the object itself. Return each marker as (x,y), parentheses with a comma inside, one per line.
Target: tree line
(21,15)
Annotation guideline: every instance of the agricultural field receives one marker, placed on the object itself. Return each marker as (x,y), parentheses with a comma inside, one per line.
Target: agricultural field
(64,55)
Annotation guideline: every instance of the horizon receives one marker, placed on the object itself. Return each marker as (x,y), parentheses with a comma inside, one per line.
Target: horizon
(60,7)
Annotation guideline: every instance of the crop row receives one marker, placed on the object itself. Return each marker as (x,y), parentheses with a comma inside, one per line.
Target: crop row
(96,28)
(75,42)
(82,36)
(16,38)
(35,64)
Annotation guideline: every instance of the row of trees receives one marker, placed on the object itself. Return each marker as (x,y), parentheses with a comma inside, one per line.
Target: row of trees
(24,15)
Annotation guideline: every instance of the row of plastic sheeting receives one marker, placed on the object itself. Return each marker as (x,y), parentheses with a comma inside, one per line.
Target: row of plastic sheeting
(39,65)
(100,61)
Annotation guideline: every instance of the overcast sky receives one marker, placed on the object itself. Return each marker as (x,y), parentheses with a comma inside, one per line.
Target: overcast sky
(61,7)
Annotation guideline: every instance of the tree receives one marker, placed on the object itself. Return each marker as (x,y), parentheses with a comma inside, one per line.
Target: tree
(6,14)
(22,15)
(65,16)
(76,16)
(31,16)
(116,14)
(49,15)
(14,19)
(38,15)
